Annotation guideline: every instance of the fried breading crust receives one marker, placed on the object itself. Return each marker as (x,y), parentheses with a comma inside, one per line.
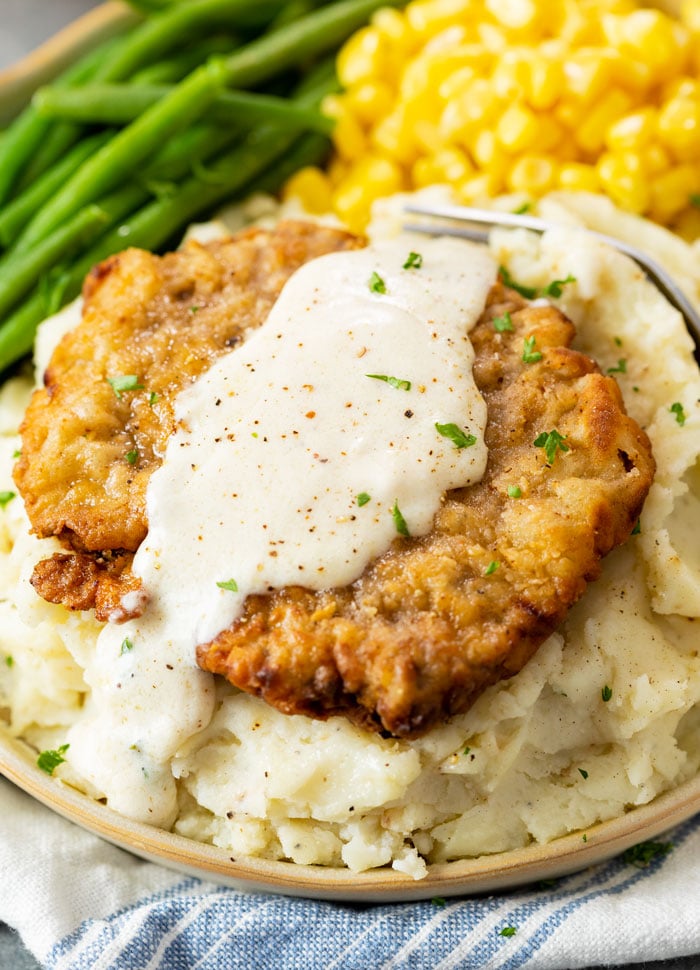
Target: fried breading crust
(437,619)
(88,450)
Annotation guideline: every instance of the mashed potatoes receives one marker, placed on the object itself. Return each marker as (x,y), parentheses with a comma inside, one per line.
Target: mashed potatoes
(605,717)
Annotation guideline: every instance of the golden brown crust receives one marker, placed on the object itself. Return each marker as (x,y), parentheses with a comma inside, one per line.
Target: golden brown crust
(429,624)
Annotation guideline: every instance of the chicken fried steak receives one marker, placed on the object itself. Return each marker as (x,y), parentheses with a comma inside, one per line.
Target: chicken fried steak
(94,434)
(431,622)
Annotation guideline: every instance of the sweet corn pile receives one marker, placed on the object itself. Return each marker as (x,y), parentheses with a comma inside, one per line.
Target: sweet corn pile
(518,96)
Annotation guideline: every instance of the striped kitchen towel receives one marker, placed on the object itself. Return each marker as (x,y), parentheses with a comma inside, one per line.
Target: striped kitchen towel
(81,904)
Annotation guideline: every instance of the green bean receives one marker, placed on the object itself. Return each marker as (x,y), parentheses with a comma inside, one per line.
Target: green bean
(115,104)
(297,42)
(122,155)
(20,275)
(175,68)
(17,213)
(26,133)
(178,24)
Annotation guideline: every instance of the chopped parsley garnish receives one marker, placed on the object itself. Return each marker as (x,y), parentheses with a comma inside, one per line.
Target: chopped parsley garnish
(466,750)
(492,567)
(362,499)
(583,773)
(606,693)
(503,323)
(637,528)
(458,437)
(9,660)
(555,287)
(194,309)
(694,199)
(508,931)
(529,292)
(514,491)
(677,409)
(617,341)
(413,261)
(438,901)
(127,645)
(621,367)
(552,442)
(530,355)
(376,283)
(6,498)
(17,453)
(522,209)
(152,398)
(48,761)
(125,382)
(399,520)
(230,584)
(132,456)
(644,853)
(584,837)
(397,382)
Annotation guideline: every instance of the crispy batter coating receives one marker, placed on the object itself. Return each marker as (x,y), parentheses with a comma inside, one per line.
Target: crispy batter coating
(435,619)
(89,448)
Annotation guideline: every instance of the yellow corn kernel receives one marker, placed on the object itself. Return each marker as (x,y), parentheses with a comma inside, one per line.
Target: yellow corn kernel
(532,174)
(671,191)
(680,87)
(477,106)
(393,136)
(687,224)
(651,37)
(578,177)
(655,159)
(458,83)
(679,127)
(544,82)
(589,74)
(690,15)
(488,153)
(369,101)
(517,129)
(348,138)
(623,178)
(362,57)
(510,75)
(428,17)
(591,134)
(480,188)
(449,165)
(632,132)
(370,179)
(312,187)
(514,14)
(393,26)
(424,75)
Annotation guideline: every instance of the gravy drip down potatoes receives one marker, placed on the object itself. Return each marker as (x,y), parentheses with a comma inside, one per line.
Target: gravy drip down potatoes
(434,620)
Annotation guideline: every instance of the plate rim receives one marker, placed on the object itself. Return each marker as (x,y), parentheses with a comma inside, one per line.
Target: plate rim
(465,877)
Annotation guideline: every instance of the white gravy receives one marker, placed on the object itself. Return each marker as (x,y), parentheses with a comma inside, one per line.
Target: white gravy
(290,465)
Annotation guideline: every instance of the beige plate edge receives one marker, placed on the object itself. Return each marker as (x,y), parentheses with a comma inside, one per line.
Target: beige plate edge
(20,80)
(465,877)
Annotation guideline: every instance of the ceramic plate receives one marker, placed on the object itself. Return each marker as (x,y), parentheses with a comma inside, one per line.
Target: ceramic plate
(482,875)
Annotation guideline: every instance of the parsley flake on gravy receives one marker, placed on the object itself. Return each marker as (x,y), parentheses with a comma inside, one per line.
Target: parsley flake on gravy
(530,355)
(606,693)
(362,499)
(6,498)
(376,283)
(230,584)
(552,442)
(583,773)
(124,382)
(621,367)
(503,323)
(127,645)
(413,261)
(397,382)
(48,761)
(399,520)
(458,437)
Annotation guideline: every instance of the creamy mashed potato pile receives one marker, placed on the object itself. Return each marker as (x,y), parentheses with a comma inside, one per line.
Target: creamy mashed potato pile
(605,717)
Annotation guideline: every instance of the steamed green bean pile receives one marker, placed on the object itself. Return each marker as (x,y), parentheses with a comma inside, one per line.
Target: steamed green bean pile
(202,101)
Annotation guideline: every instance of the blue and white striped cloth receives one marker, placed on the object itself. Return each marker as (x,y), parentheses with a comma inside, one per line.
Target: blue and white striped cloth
(81,904)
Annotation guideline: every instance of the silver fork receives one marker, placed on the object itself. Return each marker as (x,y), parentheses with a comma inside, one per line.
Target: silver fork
(487,217)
